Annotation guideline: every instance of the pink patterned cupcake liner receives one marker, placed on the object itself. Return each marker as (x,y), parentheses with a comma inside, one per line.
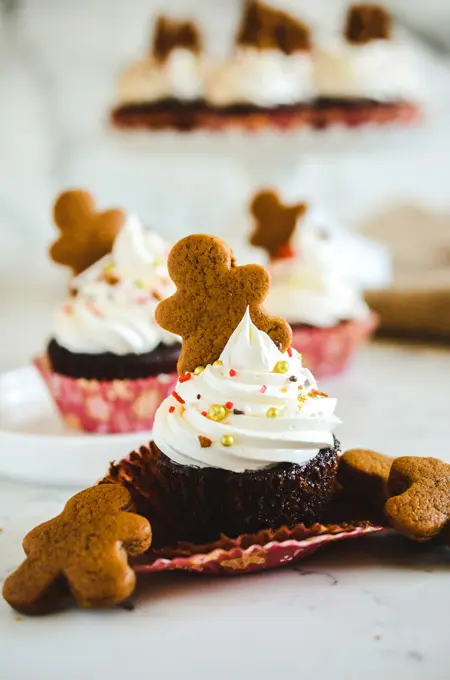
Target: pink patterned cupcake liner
(247,554)
(106,406)
(328,351)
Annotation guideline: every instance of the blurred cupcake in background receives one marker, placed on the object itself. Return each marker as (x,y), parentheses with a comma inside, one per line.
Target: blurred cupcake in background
(312,287)
(269,77)
(108,364)
(164,89)
(368,74)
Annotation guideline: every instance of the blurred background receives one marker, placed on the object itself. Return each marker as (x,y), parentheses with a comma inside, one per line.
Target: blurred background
(58,63)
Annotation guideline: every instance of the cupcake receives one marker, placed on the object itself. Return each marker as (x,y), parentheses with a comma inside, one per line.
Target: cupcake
(312,286)
(245,441)
(108,363)
(368,75)
(269,78)
(165,89)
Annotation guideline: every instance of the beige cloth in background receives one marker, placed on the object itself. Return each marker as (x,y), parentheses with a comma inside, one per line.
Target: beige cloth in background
(418,303)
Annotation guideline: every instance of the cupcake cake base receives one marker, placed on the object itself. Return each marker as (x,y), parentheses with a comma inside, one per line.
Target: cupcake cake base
(322,114)
(187,503)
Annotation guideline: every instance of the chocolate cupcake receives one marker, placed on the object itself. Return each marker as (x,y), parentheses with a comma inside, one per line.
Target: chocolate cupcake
(108,363)
(245,441)
(317,281)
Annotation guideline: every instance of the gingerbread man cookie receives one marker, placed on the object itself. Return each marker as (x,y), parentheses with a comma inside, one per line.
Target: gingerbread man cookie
(419,498)
(275,223)
(86,235)
(269,28)
(211,299)
(367,22)
(85,549)
(412,492)
(171,34)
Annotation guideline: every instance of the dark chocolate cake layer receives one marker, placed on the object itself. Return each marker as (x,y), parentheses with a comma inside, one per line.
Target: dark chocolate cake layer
(108,366)
(193,504)
(319,114)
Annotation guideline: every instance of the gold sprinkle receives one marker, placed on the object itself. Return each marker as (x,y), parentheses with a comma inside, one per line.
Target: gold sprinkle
(317,393)
(140,284)
(217,412)
(227,440)
(199,370)
(299,356)
(272,412)
(218,363)
(284,389)
(281,367)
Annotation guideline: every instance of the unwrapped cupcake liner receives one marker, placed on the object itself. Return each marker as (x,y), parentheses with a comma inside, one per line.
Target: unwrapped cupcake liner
(265,549)
(106,406)
(252,553)
(328,351)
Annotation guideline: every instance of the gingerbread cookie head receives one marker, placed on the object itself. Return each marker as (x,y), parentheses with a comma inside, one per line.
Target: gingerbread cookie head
(275,223)
(86,235)
(419,498)
(171,34)
(211,299)
(364,475)
(267,28)
(83,550)
(366,22)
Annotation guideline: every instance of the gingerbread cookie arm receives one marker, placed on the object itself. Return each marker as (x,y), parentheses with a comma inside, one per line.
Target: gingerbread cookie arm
(169,314)
(134,532)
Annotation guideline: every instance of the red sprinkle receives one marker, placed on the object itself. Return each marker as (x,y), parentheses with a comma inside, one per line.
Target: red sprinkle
(176,396)
(171,409)
(229,405)
(232,373)
(289,351)
(184,378)
(263,389)
(204,413)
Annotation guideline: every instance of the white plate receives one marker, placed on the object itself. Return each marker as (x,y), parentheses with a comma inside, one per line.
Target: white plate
(35,445)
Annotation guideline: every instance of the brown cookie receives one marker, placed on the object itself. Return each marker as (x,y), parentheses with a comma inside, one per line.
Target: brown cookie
(83,550)
(211,299)
(268,28)
(170,34)
(366,22)
(419,498)
(364,475)
(275,223)
(86,235)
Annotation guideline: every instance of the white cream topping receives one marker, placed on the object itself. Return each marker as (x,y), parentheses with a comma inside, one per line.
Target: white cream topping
(315,286)
(180,76)
(261,77)
(113,310)
(304,419)
(382,70)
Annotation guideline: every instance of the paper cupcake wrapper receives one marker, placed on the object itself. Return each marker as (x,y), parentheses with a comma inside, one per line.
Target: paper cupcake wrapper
(252,553)
(106,406)
(318,117)
(328,351)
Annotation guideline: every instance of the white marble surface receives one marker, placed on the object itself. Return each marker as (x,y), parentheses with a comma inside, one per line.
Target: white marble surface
(365,609)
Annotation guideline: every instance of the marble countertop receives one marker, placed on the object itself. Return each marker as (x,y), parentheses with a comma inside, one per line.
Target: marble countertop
(369,608)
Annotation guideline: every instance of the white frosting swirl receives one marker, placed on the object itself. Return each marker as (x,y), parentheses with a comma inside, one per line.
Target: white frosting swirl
(382,70)
(113,310)
(261,77)
(304,422)
(315,286)
(179,76)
